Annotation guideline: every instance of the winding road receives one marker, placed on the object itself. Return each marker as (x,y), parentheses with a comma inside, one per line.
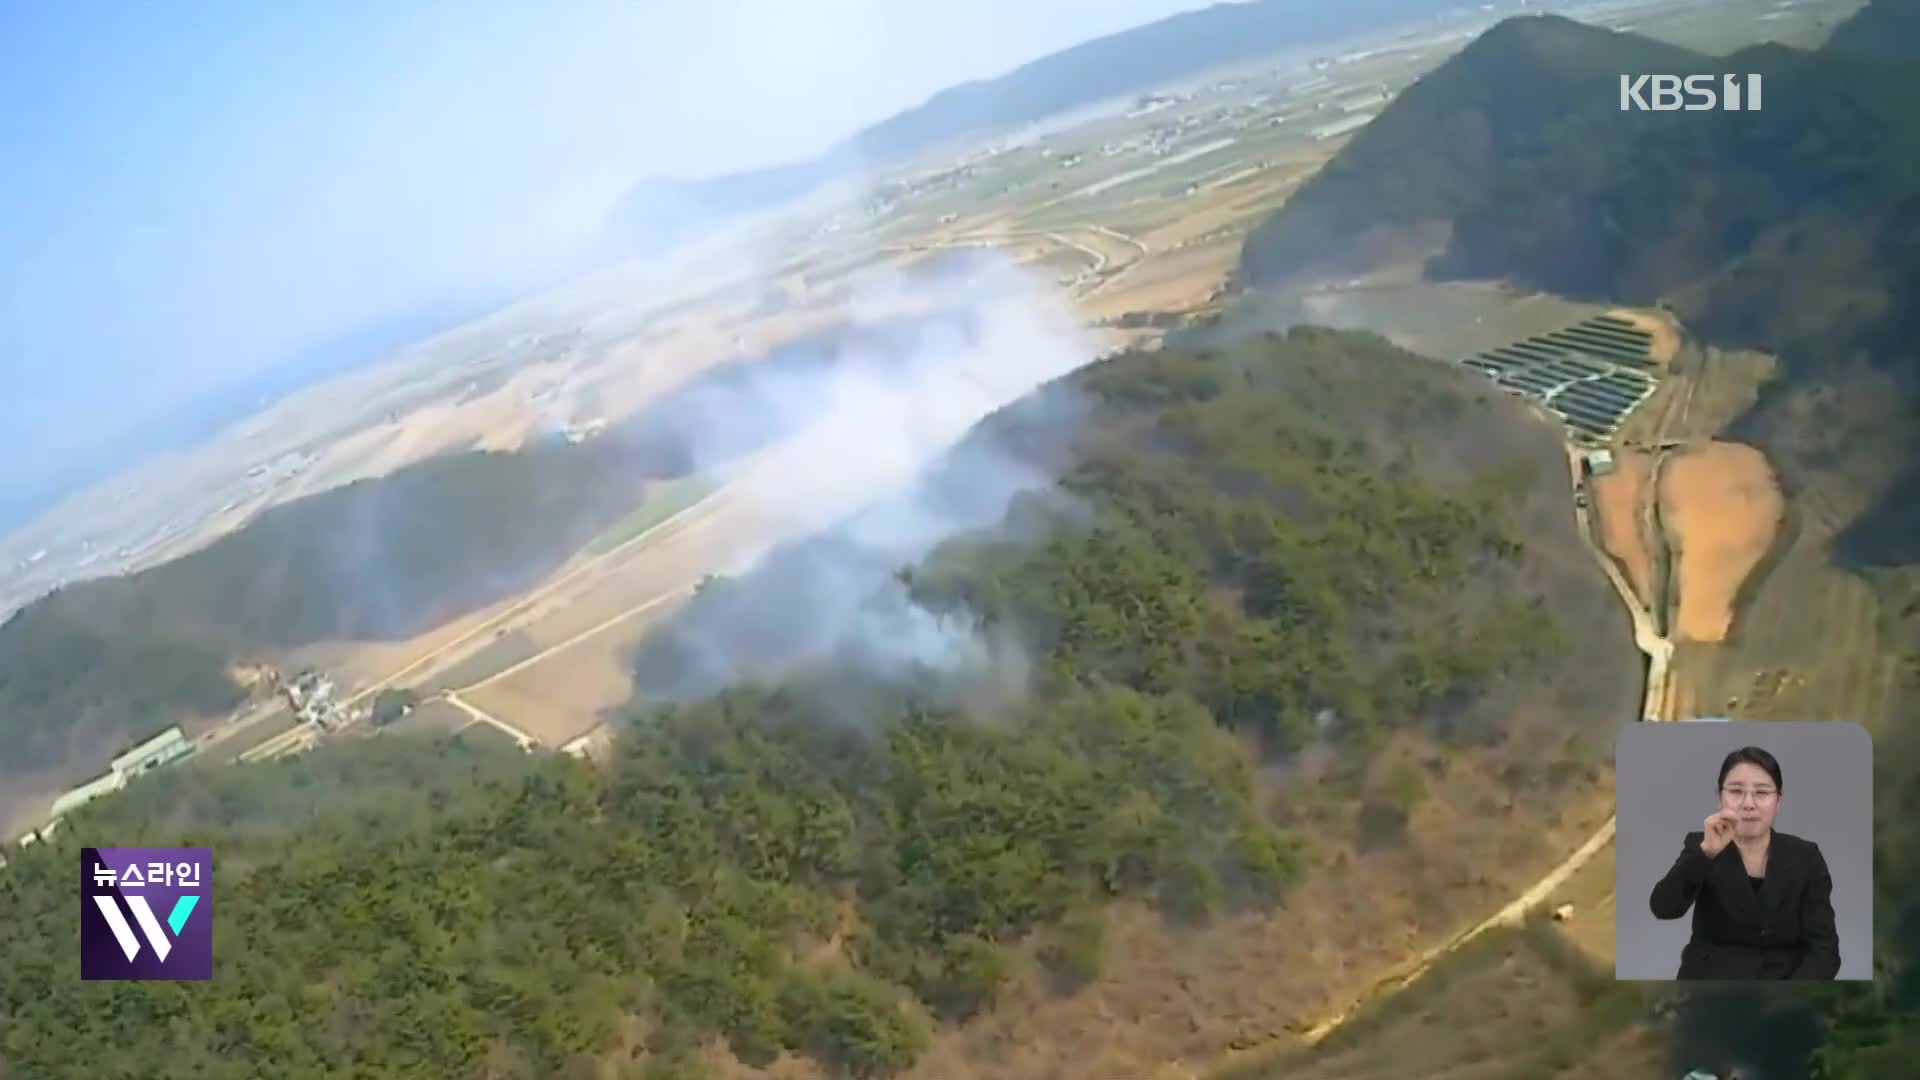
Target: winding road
(510,617)
(480,716)
(1647,635)
(1659,653)
(1101,261)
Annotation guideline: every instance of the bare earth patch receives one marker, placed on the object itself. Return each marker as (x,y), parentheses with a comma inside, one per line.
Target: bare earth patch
(1721,507)
(1616,499)
(565,695)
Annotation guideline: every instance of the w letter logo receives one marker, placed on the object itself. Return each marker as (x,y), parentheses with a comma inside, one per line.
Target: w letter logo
(150,926)
(146,913)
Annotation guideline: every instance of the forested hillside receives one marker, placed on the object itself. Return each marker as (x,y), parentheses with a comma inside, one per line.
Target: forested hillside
(108,659)
(1885,28)
(1518,144)
(1316,539)
(1531,94)
(391,557)
(1795,230)
(1277,538)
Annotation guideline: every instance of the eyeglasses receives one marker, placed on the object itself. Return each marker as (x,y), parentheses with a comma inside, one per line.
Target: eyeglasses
(1739,794)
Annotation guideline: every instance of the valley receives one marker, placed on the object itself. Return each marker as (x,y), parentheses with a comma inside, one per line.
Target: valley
(1054,401)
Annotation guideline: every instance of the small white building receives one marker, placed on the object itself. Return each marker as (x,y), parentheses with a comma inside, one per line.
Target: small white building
(80,796)
(168,746)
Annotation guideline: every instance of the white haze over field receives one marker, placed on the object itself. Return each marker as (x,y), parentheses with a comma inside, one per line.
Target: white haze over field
(193,194)
(873,427)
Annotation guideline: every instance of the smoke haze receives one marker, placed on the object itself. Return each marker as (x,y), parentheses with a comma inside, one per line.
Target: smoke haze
(879,463)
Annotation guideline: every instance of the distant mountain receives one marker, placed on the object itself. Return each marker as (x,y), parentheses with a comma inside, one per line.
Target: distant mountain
(1518,151)
(1532,94)
(1518,148)
(200,418)
(663,211)
(1794,229)
(107,659)
(1884,28)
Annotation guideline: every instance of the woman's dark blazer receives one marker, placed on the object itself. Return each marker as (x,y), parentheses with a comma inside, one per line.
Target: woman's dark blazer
(1785,931)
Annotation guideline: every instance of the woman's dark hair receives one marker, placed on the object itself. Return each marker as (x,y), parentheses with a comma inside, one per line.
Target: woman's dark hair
(1753,755)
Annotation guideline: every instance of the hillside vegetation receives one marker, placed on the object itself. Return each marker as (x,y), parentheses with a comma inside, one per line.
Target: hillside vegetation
(1795,230)
(1285,529)
(1515,1002)
(387,558)
(1519,145)
(105,660)
(1290,540)
(1531,93)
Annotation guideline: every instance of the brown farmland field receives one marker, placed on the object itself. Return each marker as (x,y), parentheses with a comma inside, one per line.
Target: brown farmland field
(1721,507)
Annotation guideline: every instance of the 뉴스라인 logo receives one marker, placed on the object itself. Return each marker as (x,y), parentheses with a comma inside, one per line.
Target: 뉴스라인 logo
(146,913)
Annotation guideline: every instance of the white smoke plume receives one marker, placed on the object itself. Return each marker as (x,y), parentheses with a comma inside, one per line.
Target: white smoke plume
(871,472)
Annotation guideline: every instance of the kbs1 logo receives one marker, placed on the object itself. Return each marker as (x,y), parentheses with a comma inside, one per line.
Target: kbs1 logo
(1692,93)
(146,913)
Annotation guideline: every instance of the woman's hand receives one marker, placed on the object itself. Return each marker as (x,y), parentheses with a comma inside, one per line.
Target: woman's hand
(1719,833)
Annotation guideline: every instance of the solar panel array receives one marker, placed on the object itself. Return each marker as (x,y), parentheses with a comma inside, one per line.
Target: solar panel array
(1591,374)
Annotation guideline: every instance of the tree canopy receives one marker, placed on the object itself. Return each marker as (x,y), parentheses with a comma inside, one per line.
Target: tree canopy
(838,857)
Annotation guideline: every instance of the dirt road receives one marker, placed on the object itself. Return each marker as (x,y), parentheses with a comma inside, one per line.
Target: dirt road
(675,593)
(481,716)
(794,489)
(528,604)
(521,609)
(1659,653)
(1512,915)
(1059,237)
(301,737)
(1116,234)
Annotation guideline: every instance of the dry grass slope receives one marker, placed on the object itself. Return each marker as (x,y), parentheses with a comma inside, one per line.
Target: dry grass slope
(1516,1003)
(1178,1002)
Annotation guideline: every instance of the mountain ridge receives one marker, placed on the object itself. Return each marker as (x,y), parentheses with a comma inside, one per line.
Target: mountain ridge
(1298,542)
(1880,29)
(385,558)
(1429,156)
(662,211)
(1794,230)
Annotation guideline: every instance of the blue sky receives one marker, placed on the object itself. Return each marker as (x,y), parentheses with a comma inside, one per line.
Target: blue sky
(190,191)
